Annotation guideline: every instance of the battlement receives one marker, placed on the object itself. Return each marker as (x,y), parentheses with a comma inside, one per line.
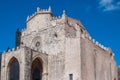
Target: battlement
(39,11)
(12,50)
(51,44)
(19,49)
(98,44)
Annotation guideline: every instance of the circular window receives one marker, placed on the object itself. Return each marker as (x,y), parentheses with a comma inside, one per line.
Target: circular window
(37,44)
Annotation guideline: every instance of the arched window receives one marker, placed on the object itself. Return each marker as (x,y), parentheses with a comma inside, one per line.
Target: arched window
(37,69)
(13,69)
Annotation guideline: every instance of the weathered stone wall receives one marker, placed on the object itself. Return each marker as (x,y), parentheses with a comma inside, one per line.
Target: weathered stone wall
(64,49)
(6,57)
(118,73)
(97,63)
(51,36)
(72,50)
(73,59)
(47,39)
(25,57)
(40,21)
(30,56)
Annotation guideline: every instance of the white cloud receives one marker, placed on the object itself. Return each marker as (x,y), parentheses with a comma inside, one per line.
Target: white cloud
(109,5)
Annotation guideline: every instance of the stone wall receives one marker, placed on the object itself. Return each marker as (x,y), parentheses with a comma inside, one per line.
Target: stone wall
(63,47)
(97,62)
(118,73)
(6,58)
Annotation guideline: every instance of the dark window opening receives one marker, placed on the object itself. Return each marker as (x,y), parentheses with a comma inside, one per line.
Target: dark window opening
(13,69)
(70,76)
(37,69)
(37,44)
(56,35)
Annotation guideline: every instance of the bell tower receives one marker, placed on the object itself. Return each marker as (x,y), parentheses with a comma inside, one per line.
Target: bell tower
(18,38)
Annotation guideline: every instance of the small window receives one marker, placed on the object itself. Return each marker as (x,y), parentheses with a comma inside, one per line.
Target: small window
(55,35)
(70,76)
(37,44)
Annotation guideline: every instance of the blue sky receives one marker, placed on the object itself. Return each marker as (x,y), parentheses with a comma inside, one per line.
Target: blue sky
(100,17)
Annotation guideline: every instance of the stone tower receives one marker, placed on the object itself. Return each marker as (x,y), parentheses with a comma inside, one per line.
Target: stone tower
(57,48)
(18,38)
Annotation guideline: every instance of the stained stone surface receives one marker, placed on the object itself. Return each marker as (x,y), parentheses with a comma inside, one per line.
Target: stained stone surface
(52,48)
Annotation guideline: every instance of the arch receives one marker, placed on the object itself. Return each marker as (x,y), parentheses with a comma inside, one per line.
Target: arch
(37,69)
(13,69)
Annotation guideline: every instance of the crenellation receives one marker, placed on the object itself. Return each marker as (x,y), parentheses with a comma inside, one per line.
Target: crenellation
(27,18)
(113,54)
(56,18)
(33,15)
(49,9)
(64,13)
(43,10)
(9,50)
(89,37)
(93,40)
(97,43)
(102,46)
(38,9)
(86,35)
(59,17)
(105,48)
(58,47)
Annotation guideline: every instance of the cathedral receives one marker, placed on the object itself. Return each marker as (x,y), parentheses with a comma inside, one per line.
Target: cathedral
(56,48)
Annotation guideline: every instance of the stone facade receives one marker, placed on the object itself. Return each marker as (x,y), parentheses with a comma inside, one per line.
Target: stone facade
(118,73)
(56,48)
